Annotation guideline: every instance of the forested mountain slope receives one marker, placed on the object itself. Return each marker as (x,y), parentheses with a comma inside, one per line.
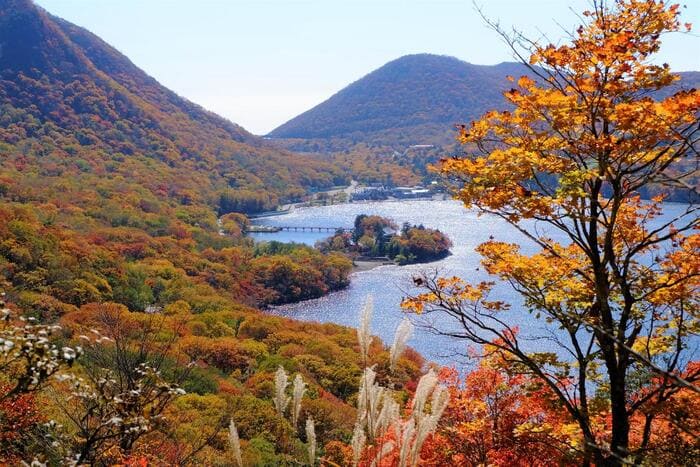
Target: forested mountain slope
(72,106)
(108,180)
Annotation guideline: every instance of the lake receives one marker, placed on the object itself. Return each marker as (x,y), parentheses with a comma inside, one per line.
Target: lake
(389,284)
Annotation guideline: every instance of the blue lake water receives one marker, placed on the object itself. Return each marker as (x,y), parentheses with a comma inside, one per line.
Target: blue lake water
(389,284)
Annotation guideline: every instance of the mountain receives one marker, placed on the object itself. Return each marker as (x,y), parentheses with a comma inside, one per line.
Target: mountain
(421,95)
(73,105)
(114,188)
(415,99)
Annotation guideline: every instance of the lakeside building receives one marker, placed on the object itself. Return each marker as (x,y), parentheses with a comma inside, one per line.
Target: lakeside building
(403,192)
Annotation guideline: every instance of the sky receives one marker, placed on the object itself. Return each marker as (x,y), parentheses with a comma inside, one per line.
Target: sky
(261,62)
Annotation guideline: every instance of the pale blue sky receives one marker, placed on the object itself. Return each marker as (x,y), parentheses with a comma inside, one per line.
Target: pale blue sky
(261,62)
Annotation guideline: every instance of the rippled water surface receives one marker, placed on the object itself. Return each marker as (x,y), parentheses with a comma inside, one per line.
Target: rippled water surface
(389,284)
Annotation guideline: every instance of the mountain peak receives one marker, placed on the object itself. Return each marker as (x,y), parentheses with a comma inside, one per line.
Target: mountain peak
(31,44)
(412,91)
(8,7)
(422,58)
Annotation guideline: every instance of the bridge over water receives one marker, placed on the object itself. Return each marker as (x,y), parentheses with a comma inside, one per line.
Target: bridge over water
(296,228)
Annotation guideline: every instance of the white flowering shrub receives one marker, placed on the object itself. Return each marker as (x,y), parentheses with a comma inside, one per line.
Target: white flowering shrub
(120,394)
(28,358)
(109,410)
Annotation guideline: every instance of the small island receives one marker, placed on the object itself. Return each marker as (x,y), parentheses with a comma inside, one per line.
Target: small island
(379,238)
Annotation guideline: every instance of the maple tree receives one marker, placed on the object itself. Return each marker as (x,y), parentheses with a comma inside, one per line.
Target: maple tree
(498,415)
(617,284)
(501,417)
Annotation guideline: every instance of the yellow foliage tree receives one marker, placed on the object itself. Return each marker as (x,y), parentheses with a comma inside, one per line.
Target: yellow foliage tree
(620,286)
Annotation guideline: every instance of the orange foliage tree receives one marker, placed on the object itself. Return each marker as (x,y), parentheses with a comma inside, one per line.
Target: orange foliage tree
(500,417)
(619,285)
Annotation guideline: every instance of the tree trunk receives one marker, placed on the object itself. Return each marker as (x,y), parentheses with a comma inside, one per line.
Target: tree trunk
(619,442)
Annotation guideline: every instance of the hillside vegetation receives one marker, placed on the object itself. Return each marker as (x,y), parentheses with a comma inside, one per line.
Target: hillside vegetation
(75,108)
(109,179)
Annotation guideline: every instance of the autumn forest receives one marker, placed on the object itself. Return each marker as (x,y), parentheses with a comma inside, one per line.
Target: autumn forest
(140,317)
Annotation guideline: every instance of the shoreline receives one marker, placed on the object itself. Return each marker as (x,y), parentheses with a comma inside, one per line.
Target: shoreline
(362,266)
(358,265)
(290,207)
